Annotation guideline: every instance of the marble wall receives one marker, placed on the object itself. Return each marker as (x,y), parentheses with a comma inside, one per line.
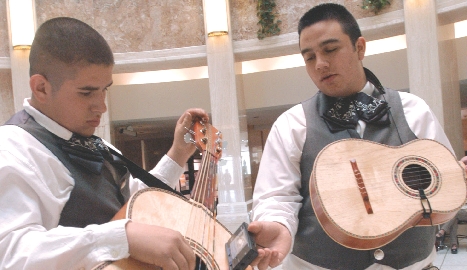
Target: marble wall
(134,25)
(6,96)
(244,20)
(148,25)
(145,25)
(4,44)
(6,92)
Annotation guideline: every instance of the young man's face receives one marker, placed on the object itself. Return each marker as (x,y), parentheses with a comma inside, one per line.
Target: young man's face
(80,102)
(331,60)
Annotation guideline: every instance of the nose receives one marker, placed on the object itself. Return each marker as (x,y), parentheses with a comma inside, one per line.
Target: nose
(99,104)
(321,62)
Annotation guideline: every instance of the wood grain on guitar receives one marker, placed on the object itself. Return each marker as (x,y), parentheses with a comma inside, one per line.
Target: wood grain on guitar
(420,183)
(194,218)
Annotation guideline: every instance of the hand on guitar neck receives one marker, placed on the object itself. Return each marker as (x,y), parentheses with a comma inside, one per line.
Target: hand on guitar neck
(181,151)
(159,246)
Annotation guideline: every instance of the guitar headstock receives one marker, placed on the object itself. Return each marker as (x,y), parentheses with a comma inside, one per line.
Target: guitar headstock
(206,138)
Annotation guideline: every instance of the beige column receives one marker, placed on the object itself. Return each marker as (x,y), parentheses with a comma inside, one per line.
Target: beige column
(19,60)
(432,63)
(226,109)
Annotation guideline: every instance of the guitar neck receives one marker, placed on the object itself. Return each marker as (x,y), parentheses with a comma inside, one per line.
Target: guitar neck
(208,140)
(205,188)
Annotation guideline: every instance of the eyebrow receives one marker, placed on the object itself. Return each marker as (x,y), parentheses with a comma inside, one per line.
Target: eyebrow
(92,88)
(322,44)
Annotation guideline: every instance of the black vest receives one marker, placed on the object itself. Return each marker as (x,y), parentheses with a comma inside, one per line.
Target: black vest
(312,244)
(95,198)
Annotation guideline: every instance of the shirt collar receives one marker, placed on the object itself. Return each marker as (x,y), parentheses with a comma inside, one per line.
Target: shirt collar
(368,88)
(46,122)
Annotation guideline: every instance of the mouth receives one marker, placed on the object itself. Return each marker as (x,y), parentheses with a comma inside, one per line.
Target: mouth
(327,77)
(94,123)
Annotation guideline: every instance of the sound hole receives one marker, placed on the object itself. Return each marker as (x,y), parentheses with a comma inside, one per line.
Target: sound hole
(416,177)
(200,265)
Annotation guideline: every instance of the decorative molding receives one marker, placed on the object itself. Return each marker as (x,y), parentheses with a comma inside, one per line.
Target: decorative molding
(375,27)
(160,59)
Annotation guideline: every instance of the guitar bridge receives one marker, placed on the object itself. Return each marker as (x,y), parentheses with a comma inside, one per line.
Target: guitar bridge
(361,186)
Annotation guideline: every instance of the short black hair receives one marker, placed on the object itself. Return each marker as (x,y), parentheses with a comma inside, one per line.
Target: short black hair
(69,41)
(331,11)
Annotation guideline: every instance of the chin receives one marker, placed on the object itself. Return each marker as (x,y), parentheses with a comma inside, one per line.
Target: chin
(86,133)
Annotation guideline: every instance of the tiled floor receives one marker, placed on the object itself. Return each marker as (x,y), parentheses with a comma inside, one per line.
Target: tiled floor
(447,261)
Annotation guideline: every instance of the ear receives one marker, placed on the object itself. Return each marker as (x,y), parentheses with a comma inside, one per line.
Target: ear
(360,46)
(40,87)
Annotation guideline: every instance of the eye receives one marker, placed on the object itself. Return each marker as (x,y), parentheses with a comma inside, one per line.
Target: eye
(86,94)
(330,50)
(309,57)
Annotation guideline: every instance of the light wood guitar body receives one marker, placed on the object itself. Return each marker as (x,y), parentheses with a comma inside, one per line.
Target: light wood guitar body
(153,206)
(194,218)
(365,194)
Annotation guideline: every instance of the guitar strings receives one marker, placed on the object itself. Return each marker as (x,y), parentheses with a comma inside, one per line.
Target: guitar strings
(193,216)
(210,187)
(200,194)
(410,176)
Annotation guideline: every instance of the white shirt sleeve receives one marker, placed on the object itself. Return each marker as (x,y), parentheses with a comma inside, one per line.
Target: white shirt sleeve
(422,121)
(166,170)
(277,196)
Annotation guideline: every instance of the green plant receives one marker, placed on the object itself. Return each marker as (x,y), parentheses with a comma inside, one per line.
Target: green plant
(375,5)
(268,25)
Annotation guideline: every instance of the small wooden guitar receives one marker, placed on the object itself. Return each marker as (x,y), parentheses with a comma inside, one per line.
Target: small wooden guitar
(365,194)
(194,218)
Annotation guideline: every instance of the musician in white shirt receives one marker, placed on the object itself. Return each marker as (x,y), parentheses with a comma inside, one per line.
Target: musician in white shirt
(71,69)
(333,58)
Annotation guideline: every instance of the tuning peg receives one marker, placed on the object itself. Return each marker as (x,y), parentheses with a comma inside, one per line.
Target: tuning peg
(189,131)
(187,138)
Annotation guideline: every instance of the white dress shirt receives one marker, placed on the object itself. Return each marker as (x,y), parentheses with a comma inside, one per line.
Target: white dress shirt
(34,188)
(277,197)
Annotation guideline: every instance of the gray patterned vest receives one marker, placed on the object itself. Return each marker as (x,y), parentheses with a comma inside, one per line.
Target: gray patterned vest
(95,198)
(312,244)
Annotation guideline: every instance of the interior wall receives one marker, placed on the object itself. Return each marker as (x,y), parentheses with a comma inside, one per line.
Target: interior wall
(161,100)
(262,89)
